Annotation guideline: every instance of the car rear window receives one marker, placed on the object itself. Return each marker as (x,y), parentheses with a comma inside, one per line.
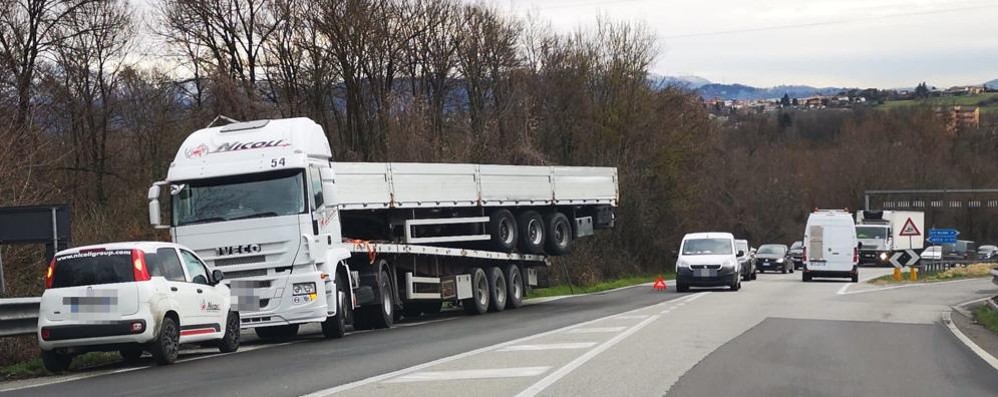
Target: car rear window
(93,268)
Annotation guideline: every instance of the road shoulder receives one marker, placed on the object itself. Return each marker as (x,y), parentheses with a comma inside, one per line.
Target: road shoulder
(984,339)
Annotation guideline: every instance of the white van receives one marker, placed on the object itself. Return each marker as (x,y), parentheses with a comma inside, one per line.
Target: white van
(708,260)
(830,245)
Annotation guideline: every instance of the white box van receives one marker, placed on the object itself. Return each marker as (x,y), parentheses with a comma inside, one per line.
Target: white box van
(708,260)
(830,245)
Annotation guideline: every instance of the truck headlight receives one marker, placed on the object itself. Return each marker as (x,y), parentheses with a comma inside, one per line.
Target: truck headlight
(303,289)
(883,256)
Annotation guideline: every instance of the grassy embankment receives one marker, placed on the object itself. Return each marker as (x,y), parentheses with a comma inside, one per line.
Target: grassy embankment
(970,271)
(565,289)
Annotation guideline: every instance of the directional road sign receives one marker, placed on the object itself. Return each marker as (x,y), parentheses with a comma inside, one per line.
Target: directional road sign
(909,257)
(942,236)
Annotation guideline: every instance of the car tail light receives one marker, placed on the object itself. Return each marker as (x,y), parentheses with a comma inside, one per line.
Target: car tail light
(139,261)
(50,274)
(46,334)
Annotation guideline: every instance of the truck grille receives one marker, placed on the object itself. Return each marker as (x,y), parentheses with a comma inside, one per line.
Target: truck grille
(244,260)
(245,273)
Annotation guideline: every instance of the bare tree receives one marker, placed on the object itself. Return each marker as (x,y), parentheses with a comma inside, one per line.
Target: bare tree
(30,29)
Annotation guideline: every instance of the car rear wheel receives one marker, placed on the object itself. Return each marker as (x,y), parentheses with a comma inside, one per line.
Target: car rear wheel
(166,346)
(56,362)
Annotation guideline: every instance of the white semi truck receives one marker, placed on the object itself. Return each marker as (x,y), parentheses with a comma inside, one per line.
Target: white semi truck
(303,239)
(882,233)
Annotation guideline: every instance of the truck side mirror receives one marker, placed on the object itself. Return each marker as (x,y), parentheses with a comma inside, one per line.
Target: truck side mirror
(741,253)
(155,217)
(859,245)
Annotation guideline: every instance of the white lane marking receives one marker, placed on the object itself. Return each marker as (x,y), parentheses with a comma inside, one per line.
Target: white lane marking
(596,330)
(973,301)
(983,354)
(429,376)
(470,353)
(633,317)
(843,289)
(549,346)
(578,362)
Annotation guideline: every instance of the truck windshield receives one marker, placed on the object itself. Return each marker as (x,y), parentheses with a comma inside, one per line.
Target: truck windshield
(707,246)
(239,197)
(871,232)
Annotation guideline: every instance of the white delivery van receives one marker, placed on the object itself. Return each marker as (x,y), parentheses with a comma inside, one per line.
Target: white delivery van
(708,260)
(830,245)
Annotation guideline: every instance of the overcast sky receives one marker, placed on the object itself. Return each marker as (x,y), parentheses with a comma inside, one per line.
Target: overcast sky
(853,43)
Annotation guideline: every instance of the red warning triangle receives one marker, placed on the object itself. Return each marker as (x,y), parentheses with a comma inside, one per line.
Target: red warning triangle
(909,229)
(659,284)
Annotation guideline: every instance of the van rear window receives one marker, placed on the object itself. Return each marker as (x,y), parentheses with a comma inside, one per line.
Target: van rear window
(93,268)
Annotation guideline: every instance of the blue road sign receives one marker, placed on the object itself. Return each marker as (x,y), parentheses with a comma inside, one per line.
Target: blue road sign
(942,236)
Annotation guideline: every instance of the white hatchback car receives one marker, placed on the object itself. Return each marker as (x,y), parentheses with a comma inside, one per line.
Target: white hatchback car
(132,297)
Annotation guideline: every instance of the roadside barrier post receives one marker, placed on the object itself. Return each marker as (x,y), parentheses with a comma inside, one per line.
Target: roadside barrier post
(897,274)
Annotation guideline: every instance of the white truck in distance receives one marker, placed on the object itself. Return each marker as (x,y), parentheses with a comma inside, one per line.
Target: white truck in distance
(302,239)
(882,233)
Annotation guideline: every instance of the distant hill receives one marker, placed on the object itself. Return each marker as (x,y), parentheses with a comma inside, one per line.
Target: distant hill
(741,91)
(692,82)
(993,84)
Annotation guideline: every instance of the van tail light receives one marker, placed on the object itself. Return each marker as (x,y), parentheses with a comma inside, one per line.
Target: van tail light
(140,269)
(49,274)
(855,254)
(803,254)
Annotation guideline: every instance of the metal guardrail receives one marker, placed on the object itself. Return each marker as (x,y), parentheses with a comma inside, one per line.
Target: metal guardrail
(19,316)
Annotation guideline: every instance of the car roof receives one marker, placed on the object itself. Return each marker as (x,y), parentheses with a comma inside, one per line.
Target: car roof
(709,235)
(773,245)
(145,246)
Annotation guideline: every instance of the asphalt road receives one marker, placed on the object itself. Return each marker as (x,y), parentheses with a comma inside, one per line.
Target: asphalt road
(312,363)
(775,337)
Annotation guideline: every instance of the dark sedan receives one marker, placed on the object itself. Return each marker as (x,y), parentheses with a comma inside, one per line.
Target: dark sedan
(774,257)
(797,254)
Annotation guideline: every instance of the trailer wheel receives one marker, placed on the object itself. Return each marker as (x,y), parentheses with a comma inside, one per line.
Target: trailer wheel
(497,289)
(532,233)
(559,238)
(514,280)
(479,301)
(502,228)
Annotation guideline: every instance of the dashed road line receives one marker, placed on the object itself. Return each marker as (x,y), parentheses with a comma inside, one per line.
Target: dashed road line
(597,330)
(549,346)
(578,362)
(471,353)
(429,376)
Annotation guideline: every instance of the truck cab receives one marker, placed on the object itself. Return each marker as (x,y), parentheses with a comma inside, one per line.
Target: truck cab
(257,200)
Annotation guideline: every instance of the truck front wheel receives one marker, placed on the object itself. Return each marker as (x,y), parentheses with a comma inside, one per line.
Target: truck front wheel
(479,301)
(335,326)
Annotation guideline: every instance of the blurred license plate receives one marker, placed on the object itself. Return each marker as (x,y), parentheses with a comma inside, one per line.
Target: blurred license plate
(92,304)
(705,273)
(817,263)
